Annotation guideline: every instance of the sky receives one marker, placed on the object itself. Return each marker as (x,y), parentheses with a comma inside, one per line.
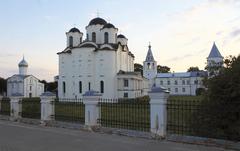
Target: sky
(181,32)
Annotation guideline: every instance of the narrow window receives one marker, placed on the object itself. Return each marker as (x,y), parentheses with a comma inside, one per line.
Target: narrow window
(176,82)
(106,37)
(87,37)
(183,90)
(102,87)
(30,88)
(70,41)
(89,86)
(183,82)
(64,87)
(94,37)
(176,90)
(125,95)
(81,40)
(80,86)
(125,83)
(168,82)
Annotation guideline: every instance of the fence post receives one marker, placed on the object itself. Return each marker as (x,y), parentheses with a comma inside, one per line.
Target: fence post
(16,106)
(90,100)
(47,107)
(158,108)
(1,97)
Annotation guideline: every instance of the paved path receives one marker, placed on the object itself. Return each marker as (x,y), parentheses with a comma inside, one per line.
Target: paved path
(22,137)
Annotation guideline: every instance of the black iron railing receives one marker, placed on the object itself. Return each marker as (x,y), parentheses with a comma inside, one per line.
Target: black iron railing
(198,117)
(70,110)
(133,114)
(31,108)
(5,106)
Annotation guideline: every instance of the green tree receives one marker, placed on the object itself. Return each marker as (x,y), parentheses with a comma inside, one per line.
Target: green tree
(3,86)
(138,68)
(191,69)
(163,69)
(220,111)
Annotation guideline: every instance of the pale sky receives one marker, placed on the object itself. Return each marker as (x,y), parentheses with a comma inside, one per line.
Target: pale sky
(181,32)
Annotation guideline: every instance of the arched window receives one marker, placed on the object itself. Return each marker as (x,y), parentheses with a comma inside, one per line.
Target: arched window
(102,87)
(87,37)
(64,87)
(80,86)
(89,86)
(106,37)
(81,40)
(70,41)
(94,37)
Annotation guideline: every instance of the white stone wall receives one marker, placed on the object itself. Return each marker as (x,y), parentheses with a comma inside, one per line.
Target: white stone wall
(77,37)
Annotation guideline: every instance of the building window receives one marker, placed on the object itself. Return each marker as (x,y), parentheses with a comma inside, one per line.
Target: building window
(30,88)
(64,87)
(89,86)
(80,39)
(70,41)
(102,87)
(161,82)
(169,89)
(87,37)
(125,95)
(168,82)
(188,82)
(80,86)
(183,90)
(176,82)
(183,82)
(106,37)
(125,83)
(196,82)
(94,37)
(148,65)
(176,90)
(30,95)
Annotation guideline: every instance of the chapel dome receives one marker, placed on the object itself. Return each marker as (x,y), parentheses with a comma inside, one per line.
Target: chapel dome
(74,29)
(23,63)
(108,25)
(121,36)
(97,21)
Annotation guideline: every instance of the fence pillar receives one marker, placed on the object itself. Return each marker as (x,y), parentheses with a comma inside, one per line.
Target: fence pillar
(47,107)
(16,106)
(158,108)
(90,100)
(1,97)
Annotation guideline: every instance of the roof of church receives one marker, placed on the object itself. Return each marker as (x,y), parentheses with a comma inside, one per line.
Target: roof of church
(97,21)
(23,76)
(149,57)
(23,63)
(121,36)
(74,29)
(109,25)
(215,52)
(182,74)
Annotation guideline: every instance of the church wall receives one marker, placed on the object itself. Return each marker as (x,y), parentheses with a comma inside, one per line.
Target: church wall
(96,29)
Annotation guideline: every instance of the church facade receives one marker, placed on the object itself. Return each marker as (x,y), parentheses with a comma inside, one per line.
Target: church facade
(181,83)
(101,62)
(24,84)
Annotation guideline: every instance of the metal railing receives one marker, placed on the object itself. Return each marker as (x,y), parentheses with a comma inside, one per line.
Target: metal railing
(31,108)
(70,110)
(5,106)
(133,114)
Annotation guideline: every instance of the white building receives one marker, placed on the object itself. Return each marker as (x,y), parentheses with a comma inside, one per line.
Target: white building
(102,62)
(24,84)
(180,83)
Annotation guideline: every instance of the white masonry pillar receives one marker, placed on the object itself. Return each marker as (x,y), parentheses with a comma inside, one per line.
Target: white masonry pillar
(90,100)
(16,106)
(47,107)
(158,108)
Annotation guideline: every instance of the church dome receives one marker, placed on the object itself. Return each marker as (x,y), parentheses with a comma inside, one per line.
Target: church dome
(23,63)
(74,29)
(121,36)
(97,21)
(108,25)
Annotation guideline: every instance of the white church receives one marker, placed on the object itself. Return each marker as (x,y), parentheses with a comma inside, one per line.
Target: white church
(181,83)
(100,61)
(24,84)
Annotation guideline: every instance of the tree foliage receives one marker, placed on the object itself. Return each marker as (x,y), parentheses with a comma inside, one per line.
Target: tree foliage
(221,106)
(3,86)
(163,69)
(138,68)
(191,69)
(50,86)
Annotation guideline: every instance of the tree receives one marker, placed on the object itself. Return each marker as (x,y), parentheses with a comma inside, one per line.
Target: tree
(3,86)
(50,86)
(163,69)
(138,68)
(192,69)
(221,105)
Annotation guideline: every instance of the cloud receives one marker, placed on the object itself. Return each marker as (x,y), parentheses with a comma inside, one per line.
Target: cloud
(235,33)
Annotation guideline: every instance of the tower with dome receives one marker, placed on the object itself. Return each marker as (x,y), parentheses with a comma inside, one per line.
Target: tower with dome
(99,61)
(24,84)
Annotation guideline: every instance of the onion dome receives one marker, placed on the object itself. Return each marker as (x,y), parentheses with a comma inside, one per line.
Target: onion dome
(121,36)
(23,63)
(97,21)
(74,29)
(108,25)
